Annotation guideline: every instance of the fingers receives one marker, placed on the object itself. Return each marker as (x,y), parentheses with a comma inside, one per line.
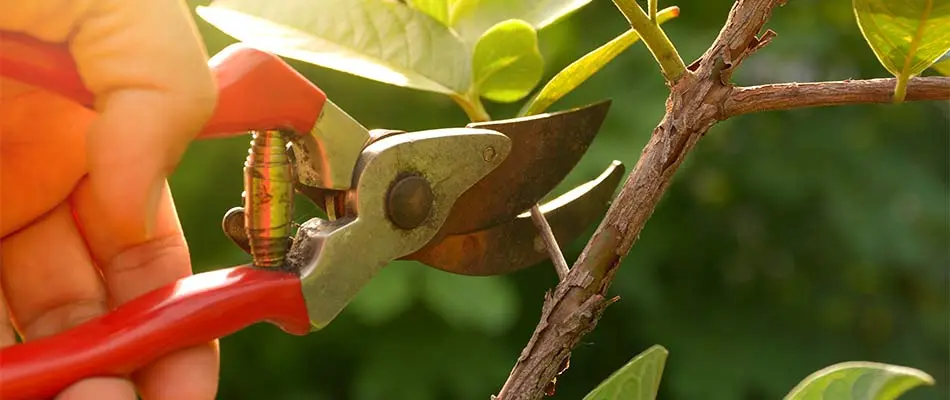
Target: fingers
(41,137)
(148,69)
(51,291)
(131,268)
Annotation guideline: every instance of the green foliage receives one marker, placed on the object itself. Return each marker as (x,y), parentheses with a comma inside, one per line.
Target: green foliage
(507,63)
(859,381)
(906,36)
(943,64)
(376,39)
(479,15)
(639,379)
(579,71)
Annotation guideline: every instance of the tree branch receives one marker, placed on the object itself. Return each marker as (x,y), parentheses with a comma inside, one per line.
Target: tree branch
(695,104)
(785,96)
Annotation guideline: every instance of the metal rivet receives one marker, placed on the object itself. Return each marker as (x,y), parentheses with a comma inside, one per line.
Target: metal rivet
(489,153)
(409,202)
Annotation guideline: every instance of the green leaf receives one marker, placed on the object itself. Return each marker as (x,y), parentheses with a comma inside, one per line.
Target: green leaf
(382,40)
(859,380)
(473,19)
(446,11)
(942,66)
(507,62)
(486,303)
(906,36)
(579,71)
(639,379)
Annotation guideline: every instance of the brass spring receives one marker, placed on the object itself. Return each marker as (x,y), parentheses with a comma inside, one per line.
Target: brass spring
(268,198)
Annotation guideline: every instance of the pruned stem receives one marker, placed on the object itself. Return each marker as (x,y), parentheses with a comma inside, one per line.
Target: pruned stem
(550,242)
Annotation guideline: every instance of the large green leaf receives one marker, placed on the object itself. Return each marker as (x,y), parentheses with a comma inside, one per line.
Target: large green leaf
(507,62)
(639,379)
(386,41)
(907,36)
(472,20)
(942,66)
(446,11)
(579,71)
(859,381)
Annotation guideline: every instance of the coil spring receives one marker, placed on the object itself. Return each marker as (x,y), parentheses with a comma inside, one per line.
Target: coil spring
(268,198)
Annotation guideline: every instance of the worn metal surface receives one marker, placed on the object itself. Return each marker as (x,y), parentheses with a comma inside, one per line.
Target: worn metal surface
(325,156)
(268,198)
(515,245)
(545,148)
(337,258)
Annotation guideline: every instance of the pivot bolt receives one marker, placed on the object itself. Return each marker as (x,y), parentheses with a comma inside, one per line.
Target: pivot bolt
(409,202)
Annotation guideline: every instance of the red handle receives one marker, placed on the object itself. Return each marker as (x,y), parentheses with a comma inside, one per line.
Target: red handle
(189,312)
(256,89)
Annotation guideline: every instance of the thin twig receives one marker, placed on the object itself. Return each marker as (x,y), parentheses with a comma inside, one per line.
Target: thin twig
(786,96)
(655,39)
(550,242)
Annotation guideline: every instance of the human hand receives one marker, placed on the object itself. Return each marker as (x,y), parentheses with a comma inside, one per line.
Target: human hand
(86,218)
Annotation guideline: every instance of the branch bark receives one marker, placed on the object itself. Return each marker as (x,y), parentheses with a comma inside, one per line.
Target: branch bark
(698,100)
(786,96)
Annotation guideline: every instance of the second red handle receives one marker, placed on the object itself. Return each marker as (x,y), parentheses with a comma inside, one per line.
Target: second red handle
(189,312)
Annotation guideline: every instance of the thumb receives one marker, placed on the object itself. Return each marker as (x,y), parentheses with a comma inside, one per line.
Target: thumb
(146,65)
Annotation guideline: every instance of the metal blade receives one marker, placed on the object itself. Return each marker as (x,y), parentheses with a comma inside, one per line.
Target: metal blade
(516,245)
(545,148)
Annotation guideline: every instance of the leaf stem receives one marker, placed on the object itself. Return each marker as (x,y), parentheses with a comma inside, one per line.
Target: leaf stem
(671,64)
(901,89)
(472,105)
(653,5)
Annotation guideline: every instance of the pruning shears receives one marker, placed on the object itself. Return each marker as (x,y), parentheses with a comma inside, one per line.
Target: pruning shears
(456,199)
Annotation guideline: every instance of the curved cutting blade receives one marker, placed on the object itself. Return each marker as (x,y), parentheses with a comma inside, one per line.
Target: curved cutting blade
(516,245)
(545,148)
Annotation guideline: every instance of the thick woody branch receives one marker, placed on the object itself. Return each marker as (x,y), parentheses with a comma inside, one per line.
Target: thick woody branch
(786,96)
(695,103)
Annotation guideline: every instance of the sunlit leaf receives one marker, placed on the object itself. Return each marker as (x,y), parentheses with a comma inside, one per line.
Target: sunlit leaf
(474,19)
(859,381)
(386,41)
(446,11)
(507,62)
(639,379)
(906,36)
(579,71)
(942,66)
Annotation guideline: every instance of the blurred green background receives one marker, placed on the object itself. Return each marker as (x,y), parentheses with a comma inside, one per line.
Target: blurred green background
(788,241)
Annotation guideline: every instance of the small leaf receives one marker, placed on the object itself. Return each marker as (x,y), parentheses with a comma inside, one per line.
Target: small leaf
(579,71)
(906,36)
(477,16)
(639,379)
(859,381)
(507,63)
(386,41)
